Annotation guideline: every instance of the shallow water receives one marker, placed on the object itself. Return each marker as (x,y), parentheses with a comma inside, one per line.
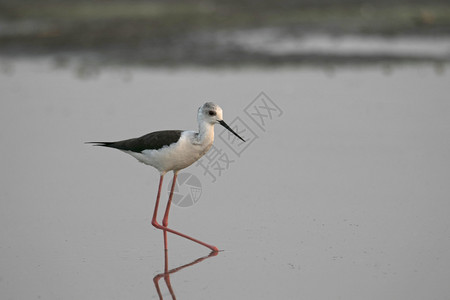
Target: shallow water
(342,192)
(274,42)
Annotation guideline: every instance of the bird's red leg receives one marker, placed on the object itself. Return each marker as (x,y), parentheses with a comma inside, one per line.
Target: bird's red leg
(166,219)
(213,248)
(155,212)
(166,214)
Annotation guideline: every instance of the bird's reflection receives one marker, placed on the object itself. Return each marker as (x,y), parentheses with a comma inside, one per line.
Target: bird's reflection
(166,274)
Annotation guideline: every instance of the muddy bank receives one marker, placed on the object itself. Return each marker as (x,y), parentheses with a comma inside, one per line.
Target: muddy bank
(213,33)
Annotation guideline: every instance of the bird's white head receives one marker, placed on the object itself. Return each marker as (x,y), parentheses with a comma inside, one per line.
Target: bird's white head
(211,113)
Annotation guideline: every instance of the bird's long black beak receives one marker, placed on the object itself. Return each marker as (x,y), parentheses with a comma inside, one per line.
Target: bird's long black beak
(222,122)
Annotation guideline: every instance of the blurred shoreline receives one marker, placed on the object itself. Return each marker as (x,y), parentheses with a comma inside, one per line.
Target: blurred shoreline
(210,33)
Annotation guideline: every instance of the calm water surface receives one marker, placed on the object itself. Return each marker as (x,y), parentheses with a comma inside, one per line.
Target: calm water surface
(341,194)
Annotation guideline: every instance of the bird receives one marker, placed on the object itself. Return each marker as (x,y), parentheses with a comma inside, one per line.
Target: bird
(174,150)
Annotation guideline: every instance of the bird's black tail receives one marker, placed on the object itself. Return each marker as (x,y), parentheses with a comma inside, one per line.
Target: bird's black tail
(103,144)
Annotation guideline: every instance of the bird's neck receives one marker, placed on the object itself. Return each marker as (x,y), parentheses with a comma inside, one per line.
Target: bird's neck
(205,133)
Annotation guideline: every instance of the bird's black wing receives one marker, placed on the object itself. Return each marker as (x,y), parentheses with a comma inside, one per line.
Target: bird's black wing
(152,141)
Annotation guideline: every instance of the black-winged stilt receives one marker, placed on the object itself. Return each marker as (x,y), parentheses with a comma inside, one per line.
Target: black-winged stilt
(173,150)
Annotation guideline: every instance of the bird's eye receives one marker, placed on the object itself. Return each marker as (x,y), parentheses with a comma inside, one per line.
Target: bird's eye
(212,113)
